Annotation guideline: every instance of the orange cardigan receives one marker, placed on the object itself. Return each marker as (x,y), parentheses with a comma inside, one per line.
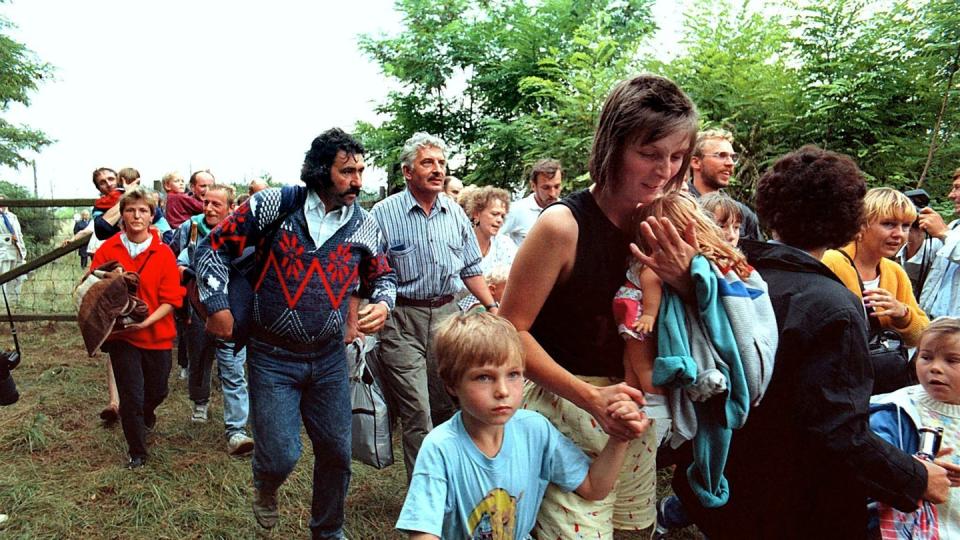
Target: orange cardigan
(894,280)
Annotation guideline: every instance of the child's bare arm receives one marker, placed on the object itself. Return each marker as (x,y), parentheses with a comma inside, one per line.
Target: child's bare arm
(604,470)
(652,289)
(415,535)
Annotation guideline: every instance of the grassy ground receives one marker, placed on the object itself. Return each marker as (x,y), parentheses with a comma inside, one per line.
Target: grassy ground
(62,475)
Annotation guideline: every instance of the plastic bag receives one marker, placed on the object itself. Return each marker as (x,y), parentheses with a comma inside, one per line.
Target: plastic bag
(372,441)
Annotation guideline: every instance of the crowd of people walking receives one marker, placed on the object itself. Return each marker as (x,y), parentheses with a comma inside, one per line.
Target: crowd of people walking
(544,356)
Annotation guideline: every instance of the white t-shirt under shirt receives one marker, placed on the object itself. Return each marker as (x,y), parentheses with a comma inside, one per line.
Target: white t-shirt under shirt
(458,492)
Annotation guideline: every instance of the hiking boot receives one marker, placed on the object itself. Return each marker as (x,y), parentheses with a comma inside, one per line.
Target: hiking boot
(265,507)
(239,444)
(200,412)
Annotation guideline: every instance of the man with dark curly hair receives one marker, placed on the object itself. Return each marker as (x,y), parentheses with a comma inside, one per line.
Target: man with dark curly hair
(806,460)
(315,247)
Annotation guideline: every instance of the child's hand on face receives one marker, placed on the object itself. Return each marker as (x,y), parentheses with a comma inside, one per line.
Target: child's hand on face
(644,324)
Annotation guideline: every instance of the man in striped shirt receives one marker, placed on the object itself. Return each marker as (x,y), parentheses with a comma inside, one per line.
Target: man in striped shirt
(429,243)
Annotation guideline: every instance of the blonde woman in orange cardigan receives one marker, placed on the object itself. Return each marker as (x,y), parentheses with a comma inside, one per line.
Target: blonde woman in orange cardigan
(886,287)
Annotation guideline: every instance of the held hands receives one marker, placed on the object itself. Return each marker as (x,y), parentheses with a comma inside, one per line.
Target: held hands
(617,409)
(884,304)
(670,255)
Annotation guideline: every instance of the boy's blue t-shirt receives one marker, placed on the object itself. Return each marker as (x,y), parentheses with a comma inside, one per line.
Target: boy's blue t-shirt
(458,492)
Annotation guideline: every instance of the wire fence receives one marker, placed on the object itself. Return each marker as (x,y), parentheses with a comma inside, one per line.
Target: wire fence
(42,287)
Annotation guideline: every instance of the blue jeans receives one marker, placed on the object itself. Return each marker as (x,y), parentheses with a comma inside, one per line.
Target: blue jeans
(286,388)
(203,348)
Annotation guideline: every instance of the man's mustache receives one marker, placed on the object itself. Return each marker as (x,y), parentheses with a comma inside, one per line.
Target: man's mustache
(350,191)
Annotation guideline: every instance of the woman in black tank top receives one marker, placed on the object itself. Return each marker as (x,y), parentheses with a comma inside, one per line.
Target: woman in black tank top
(575,257)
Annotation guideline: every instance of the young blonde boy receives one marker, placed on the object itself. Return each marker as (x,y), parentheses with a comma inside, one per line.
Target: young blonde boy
(482,474)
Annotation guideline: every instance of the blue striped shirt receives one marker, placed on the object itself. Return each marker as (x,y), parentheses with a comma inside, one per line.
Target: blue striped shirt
(427,252)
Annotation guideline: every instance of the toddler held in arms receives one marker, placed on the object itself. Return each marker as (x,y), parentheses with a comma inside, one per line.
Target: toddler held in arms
(637,303)
(483,473)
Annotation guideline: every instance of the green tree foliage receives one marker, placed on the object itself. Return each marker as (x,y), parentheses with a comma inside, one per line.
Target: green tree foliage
(875,79)
(863,78)
(39,225)
(20,71)
(737,73)
(461,64)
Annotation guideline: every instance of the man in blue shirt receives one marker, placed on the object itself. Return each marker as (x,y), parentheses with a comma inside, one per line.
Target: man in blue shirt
(941,290)
(429,243)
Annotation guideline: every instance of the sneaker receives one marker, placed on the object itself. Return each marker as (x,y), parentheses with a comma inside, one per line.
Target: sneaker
(200,412)
(184,374)
(239,444)
(136,462)
(265,508)
(677,518)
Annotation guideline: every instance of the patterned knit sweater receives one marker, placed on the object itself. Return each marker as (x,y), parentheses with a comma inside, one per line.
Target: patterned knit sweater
(936,414)
(302,291)
(896,416)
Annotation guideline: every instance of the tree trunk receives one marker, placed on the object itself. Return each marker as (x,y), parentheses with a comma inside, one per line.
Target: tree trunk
(936,125)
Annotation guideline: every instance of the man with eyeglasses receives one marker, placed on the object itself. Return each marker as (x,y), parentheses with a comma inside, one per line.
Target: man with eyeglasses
(712,166)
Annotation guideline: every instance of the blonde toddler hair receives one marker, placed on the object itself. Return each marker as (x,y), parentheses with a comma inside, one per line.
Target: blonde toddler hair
(681,208)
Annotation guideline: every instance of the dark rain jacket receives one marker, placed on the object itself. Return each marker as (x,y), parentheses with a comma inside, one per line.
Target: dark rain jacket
(806,460)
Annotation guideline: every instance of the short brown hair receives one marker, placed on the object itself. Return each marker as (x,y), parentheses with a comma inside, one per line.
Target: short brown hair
(940,328)
(128,174)
(548,167)
(721,207)
(139,195)
(476,200)
(466,340)
(643,109)
(100,170)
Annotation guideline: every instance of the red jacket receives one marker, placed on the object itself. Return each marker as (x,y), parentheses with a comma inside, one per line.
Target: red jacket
(159,284)
(181,207)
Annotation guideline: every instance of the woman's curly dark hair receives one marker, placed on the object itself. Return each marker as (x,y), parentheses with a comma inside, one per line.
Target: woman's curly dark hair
(315,172)
(812,198)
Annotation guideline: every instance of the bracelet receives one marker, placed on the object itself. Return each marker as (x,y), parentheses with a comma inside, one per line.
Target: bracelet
(495,304)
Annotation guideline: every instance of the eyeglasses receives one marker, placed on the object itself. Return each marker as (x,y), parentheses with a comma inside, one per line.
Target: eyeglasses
(723,156)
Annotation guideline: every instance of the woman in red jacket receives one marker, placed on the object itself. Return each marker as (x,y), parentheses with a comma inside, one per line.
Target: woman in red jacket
(140,353)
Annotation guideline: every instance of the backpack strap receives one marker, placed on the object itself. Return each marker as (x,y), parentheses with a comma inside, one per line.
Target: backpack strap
(873,324)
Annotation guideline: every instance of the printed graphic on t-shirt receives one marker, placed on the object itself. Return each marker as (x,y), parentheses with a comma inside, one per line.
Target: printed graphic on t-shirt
(495,517)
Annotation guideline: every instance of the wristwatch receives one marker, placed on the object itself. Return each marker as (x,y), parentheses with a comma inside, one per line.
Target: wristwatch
(492,306)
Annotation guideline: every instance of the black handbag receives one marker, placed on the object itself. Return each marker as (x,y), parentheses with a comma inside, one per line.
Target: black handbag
(889,356)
